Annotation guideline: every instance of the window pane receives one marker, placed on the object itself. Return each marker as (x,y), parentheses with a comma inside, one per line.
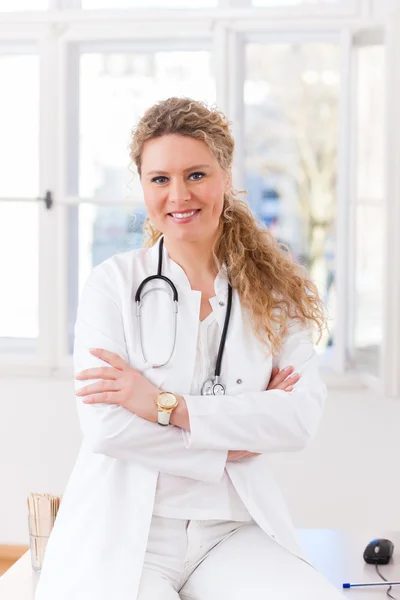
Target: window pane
(19,271)
(115,90)
(291,128)
(369,288)
(90,4)
(19,126)
(370,126)
(369,259)
(11,5)
(19,157)
(95,233)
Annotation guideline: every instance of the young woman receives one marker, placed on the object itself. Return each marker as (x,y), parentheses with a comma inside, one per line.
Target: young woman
(186,383)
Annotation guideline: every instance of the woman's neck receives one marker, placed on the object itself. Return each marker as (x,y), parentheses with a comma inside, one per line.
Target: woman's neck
(195,258)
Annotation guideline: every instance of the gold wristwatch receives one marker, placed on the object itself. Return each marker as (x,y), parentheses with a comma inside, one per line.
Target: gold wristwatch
(166,402)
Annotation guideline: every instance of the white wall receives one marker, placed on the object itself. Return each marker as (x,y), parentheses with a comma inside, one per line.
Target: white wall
(347,479)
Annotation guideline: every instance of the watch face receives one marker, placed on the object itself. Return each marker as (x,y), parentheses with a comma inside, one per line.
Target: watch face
(167,400)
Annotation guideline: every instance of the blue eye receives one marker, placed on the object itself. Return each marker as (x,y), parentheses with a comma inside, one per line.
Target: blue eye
(198,173)
(155,179)
(161,179)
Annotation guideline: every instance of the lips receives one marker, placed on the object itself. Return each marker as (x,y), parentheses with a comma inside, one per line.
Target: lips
(184,215)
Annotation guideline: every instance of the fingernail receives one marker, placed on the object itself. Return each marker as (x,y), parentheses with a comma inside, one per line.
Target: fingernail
(295,375)
(287,368)
(289,389)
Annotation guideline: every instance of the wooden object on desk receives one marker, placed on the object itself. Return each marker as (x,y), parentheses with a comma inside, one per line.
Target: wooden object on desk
(9,555)
(338,555)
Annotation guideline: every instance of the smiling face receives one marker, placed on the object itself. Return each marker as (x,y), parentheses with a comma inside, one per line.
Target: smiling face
(183,186)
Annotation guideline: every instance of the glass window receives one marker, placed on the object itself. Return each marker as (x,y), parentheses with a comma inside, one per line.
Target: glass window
(19,271)
(19,151)
(14,5)
(291,126)
(95,233)
(115,90)
(369,225)
(19,125)
(92,4)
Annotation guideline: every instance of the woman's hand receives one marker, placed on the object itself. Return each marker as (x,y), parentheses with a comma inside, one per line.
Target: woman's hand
(235,455)
(279,381)
(119,384)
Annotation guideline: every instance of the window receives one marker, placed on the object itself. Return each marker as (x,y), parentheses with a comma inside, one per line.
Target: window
(19,159)
(74,84)
(369,210)
(114,91)
(291,97)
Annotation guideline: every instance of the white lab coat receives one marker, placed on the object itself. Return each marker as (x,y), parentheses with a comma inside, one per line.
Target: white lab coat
(97,546)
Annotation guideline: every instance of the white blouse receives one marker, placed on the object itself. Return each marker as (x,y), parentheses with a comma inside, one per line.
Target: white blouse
(185,498)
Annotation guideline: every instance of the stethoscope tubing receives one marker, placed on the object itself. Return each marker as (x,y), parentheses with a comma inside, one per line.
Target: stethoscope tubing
(138,298)
(158,276)
(223,336)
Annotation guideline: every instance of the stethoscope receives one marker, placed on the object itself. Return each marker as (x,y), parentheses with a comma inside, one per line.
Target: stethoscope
(213,386)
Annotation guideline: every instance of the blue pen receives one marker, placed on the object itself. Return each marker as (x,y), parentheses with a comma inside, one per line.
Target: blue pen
(349,585)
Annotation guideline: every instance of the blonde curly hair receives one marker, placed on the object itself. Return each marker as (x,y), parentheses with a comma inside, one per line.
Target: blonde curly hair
(270,285)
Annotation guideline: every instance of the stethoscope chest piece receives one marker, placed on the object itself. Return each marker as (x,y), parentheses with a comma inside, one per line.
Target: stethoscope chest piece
(212,387)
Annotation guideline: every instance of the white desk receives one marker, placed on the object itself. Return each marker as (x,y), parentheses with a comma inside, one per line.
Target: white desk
(339,556)
(336,554)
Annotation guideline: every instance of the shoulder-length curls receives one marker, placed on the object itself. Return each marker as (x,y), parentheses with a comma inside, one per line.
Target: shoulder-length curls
(271,286)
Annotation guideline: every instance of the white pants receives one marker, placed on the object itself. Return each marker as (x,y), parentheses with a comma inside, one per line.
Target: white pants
(214,560)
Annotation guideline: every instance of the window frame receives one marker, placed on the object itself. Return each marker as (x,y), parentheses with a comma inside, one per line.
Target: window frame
(17,40)
(228,28)
(95,40)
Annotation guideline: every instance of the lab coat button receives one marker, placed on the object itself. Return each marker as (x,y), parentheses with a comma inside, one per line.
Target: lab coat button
(221,303)
(239,381)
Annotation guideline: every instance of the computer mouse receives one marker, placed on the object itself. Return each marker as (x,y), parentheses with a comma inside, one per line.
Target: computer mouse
(379,551)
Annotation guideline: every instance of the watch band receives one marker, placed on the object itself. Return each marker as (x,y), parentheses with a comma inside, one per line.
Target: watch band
(164,417)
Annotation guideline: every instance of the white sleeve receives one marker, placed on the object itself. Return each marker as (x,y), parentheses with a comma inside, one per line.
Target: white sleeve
(111,429)
(268,421)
